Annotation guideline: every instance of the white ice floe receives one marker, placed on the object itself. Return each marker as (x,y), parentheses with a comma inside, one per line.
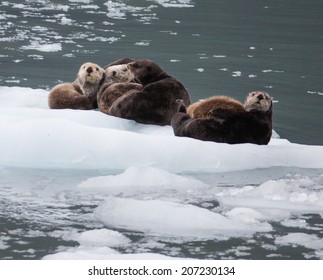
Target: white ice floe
(98,244)
(138,179)
(175,3)
(81,1)
(100,238)
(36,137)
(165,218)
(53,47)
(275,199)
(101,253)
(310,241)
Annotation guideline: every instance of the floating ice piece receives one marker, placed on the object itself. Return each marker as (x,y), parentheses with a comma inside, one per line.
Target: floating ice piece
(248,215)
(275,199)
(236,73)
(163,218)
(54,47)
(310,241)
(101,253)
(138,179)
(175,3)
(101,237)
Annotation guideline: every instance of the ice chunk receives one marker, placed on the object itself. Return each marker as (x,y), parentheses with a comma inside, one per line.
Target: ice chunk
(101,253)
(164,218)
(101,237)
(53,47)
(276,199)
(137,179)
(310,241)
(175,3)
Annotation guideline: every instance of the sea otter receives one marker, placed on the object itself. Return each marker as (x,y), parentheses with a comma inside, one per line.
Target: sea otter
(80,94)
(155,103)
(253,125)
(119,80)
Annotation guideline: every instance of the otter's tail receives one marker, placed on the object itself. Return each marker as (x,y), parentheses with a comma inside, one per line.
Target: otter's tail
(181,106)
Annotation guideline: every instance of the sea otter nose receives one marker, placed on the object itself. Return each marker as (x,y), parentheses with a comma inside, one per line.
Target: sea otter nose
(89,70)
(260,97)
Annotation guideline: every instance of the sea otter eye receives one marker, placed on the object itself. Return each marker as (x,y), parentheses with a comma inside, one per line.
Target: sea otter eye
(124,70)
(149,68)
(97,68)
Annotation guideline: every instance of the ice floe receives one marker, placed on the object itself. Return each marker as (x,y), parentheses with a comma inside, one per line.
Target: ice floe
(101,253)
(165,218)
(139,179)
(36,137)
(310,241)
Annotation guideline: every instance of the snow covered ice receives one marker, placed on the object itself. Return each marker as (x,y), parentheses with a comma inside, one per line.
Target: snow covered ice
(92,140)
(138,188)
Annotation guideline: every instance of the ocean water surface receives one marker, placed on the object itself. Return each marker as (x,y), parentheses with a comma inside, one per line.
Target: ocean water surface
(81,184)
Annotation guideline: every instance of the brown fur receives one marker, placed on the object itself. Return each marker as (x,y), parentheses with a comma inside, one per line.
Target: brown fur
(155,103)
(120,61)
(229,126)
(202,108)
(119,80)
(80,94)
(111,92)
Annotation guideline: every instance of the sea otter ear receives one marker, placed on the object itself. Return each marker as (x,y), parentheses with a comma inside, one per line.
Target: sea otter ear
(133,64)
(181,106)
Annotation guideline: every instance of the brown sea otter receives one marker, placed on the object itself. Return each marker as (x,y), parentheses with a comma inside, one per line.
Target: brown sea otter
(80,94)
(155,103)
(119,80)
(253,125)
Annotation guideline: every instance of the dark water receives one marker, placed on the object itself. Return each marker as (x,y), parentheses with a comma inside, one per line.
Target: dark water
(275,45)
(214,47)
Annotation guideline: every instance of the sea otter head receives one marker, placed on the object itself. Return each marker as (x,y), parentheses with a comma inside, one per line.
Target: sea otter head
(259,101)
(146,71)
(120,73)
(90,73)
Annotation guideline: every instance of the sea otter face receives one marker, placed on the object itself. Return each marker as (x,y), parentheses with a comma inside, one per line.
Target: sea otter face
(90,73)
(120,73)
(145,70)
(258,100)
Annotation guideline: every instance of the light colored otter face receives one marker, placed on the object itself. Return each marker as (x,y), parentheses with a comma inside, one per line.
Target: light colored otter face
(258,100)
(90,73)
(120,73)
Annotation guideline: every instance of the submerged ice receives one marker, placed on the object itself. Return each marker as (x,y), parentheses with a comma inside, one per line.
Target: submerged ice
(140,182)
